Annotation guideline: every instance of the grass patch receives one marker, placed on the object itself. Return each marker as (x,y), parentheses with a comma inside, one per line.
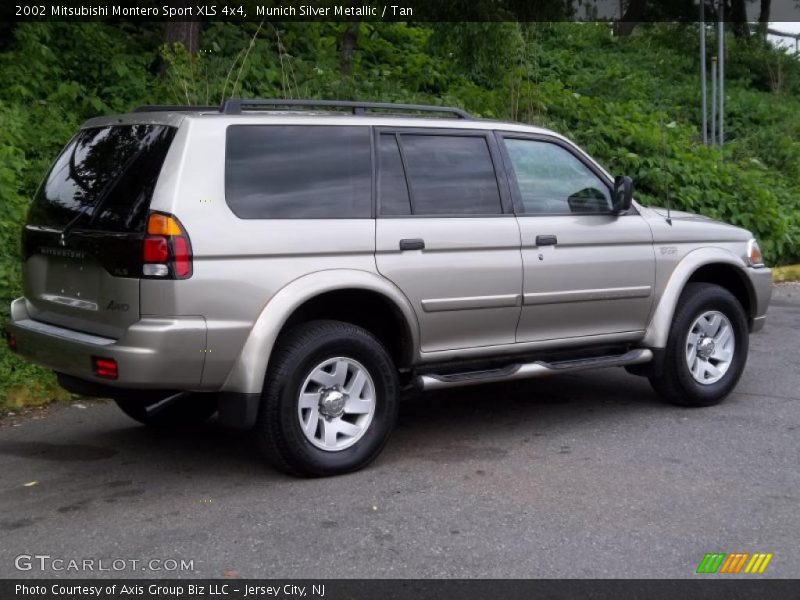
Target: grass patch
(786,273)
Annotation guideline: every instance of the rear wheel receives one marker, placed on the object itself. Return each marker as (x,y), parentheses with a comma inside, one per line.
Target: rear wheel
(707,347)
(184,411)
(329,402)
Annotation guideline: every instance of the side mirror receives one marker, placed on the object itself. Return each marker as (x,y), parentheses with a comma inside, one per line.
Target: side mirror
(622,195)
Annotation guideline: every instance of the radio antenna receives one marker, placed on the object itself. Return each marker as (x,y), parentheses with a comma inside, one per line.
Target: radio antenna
(664,171)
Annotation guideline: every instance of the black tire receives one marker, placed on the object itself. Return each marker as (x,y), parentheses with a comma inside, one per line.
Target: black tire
(187,411)
(676,383)
(278,433)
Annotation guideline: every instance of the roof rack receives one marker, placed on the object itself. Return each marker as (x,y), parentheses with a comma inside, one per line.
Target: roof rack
(174,108)
(234,106)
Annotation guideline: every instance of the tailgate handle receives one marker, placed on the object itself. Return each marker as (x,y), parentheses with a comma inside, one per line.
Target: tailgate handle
(546,240)
(412,244)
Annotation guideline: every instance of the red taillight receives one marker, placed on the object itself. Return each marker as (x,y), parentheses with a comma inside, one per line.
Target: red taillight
(182,257)
(156,250)
(104,367)
(166,251)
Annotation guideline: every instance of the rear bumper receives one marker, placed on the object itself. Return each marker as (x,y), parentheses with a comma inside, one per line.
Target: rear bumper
(154,353)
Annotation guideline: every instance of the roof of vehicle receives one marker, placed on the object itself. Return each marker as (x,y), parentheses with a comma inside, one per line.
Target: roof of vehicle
(303,111)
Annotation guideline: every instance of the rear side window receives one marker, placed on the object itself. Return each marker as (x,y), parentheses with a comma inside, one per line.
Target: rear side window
(450,175)
(103,179)
(298,171)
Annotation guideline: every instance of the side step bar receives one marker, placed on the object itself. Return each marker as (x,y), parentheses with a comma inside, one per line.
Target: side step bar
(530,370)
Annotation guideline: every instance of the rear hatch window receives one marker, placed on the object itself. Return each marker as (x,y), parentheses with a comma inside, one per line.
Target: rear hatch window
(82,243)
(103,179)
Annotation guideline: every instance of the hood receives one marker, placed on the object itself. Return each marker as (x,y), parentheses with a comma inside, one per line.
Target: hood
(680,214)
(690,227)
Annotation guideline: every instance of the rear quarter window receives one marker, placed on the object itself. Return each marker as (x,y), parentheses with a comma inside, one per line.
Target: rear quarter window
(298,171)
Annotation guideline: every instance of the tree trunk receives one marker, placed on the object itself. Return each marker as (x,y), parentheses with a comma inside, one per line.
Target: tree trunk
(763,19)
(187,33)
(624,27)
(738,13)
(348,50)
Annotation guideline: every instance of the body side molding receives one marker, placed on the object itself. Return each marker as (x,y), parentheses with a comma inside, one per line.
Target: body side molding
(642,291)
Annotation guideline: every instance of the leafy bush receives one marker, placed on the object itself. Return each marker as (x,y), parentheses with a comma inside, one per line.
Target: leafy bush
(633,103)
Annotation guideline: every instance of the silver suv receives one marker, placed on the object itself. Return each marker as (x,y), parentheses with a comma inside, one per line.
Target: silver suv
(294,265)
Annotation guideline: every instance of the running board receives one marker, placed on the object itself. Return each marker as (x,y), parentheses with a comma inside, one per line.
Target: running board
(530,370)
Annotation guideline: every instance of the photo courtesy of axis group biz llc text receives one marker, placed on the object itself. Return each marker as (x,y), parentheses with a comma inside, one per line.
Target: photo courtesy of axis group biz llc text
(411,299)
(174,589)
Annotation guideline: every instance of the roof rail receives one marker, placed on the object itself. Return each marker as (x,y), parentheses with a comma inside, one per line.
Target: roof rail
(174,108)
(234,106)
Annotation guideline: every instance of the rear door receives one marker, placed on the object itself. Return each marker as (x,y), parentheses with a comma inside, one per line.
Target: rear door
(446,235)
(83,236)
(587,271)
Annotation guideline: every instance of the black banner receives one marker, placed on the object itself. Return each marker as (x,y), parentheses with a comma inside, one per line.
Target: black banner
(398,589)
(389,10)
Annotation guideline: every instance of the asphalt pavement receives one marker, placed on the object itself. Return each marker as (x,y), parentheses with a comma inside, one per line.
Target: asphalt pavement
(585,475)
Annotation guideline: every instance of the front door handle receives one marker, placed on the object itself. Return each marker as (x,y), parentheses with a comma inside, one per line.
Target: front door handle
(412,244)
(546,240)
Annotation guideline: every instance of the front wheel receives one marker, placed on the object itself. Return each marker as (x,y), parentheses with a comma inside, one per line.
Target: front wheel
(707,347)
(329,400)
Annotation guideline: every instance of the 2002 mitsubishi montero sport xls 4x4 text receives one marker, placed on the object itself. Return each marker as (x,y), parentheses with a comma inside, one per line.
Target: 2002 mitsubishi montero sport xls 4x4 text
(294,264)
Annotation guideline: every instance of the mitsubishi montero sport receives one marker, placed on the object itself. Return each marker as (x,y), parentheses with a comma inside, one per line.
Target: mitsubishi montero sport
(293,265)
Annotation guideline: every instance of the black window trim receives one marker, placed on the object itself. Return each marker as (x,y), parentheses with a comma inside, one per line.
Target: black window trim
(376,140)
(373,167)
(498,164)
(516,194)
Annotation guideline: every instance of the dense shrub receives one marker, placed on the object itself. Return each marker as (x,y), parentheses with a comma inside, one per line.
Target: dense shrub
(633,103)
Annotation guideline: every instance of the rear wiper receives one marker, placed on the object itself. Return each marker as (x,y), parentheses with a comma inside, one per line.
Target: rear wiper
(68,227)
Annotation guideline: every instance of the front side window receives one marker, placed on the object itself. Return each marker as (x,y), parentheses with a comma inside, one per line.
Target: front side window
(551,180)
(298,171)
(450,175)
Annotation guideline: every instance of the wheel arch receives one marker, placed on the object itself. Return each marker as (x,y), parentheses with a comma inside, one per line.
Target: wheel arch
(358,297)
(709,265)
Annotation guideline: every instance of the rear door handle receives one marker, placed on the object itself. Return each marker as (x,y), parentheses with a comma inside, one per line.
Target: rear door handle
(546,240)
(412,244)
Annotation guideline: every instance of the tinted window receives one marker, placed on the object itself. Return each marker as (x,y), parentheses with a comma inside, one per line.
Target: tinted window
(450,175)
(393,188)
(103,179)
(298,171)
(552,180)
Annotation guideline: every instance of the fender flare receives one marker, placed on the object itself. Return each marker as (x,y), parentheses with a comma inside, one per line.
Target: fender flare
(250,367)
(661,321)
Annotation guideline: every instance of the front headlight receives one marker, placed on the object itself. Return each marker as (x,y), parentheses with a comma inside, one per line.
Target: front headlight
(754,258)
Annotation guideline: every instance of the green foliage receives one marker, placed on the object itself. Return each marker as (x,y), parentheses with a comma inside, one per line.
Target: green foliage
(633,103)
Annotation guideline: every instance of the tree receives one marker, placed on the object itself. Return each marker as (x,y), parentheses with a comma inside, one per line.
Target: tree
(348,47)
(763,18)
(738,15)
(188,33)
(624,27)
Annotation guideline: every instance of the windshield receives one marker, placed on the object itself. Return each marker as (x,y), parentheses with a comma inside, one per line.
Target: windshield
(103,179)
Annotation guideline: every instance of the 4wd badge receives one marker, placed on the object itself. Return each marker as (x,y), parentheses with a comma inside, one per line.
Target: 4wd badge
(117,306)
